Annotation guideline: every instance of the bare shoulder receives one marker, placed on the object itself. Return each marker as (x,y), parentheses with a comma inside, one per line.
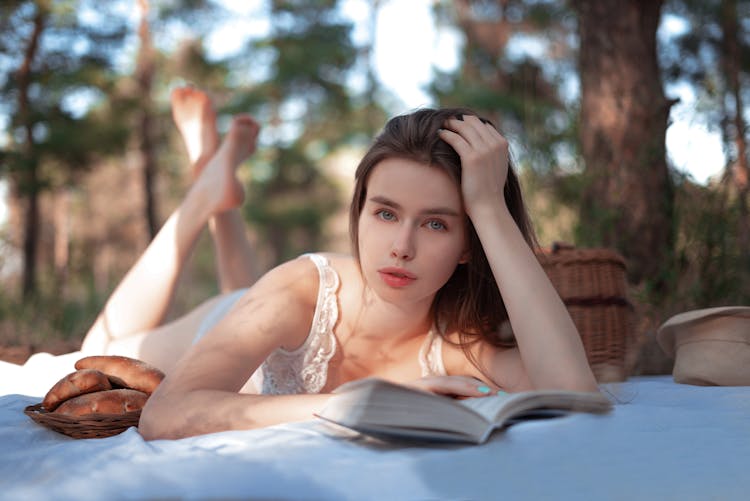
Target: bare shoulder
(283,301)
(295,276)
(344,264)
(275,312)
(351,284)
(302,276)
(280,306)
(348,271)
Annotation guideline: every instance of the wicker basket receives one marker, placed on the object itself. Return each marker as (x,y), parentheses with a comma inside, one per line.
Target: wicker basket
(593,285)
(88,426)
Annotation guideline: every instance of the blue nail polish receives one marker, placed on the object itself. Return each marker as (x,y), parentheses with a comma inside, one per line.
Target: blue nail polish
(501,392)
(483,389)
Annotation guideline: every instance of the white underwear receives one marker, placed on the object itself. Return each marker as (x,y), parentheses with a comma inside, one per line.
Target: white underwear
(221,308)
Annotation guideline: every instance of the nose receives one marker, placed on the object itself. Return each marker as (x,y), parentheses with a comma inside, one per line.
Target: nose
(403,244)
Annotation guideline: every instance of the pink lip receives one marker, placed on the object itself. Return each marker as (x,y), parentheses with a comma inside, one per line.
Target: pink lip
(396,277)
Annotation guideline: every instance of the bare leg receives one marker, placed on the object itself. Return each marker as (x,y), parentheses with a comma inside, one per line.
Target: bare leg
(164,345)
(140,302)
(195,117)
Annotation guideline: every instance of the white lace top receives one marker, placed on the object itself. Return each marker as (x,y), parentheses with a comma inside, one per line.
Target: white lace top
(305,370)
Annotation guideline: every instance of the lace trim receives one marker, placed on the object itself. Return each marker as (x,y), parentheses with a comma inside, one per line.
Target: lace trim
(305,369)
(431,355)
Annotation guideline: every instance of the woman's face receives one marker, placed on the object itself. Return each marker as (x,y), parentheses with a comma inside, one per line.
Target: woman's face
(412,231)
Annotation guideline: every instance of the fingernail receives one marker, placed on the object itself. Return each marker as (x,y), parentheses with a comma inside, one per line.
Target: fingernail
(501,392)
(483,389)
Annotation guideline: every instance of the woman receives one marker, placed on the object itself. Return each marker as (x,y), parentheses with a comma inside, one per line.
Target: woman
(441,252)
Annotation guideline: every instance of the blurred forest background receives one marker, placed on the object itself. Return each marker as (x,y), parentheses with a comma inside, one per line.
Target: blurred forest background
(91,164)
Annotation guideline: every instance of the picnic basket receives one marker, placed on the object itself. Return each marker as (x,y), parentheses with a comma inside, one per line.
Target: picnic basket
(87,426)
(102,402)
(592,283)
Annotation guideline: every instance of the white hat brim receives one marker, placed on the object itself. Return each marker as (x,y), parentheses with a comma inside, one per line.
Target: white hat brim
(666,334)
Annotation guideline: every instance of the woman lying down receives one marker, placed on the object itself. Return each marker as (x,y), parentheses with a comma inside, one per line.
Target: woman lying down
(441,256)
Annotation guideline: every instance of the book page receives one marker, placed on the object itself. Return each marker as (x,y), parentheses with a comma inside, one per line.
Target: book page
(381,408)
(487,407)
(369,405)
(541,403)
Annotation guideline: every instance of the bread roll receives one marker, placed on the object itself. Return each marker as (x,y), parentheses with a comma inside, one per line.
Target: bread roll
(74,384)
(104,402)
(124,371)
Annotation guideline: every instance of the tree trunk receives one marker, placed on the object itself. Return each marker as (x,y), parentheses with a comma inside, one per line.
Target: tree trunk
(144,76)
(31,231)
(62,225)
(28,182)
(739,167)
(628,200)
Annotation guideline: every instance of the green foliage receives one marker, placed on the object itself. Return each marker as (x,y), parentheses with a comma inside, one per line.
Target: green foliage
(190,63)
(312,52)
(711,268)
(694,55)
(190,12)
(303,102)
(51,55)
(523,94)
(712,263)
(291,205)
(49,318)
(72,61)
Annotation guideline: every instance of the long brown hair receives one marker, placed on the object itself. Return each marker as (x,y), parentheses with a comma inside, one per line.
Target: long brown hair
(470,301)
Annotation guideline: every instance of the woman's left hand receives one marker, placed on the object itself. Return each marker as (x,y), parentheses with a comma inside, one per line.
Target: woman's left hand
(455,386)
(484,160)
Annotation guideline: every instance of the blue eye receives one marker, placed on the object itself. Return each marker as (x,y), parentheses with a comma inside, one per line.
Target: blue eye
(436,225)
(386,215)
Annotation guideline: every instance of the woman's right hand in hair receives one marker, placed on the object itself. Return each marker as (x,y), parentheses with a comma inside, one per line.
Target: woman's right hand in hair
(485,160)
(455,386)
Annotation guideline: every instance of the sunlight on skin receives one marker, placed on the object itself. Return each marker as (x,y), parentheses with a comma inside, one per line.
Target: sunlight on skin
(194,116)
(215,190)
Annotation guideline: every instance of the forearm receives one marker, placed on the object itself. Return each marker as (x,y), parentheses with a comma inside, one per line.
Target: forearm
(549,343)
(206,411)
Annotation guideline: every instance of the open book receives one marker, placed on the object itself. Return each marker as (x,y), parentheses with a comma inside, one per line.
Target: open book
(389,411)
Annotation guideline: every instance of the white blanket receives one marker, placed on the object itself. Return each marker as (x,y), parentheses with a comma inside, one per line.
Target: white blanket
(662,441)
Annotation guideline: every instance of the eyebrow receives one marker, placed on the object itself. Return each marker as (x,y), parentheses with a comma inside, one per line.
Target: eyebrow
(442,211)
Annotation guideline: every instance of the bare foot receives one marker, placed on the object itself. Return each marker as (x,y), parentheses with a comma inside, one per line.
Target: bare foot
(218,180)
(195,118)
